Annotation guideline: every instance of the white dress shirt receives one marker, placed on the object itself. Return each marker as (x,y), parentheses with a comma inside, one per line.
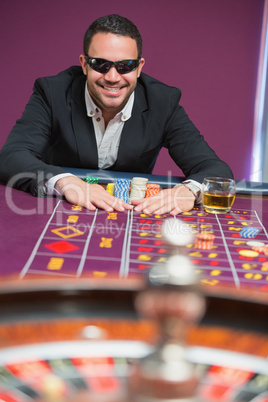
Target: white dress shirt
(107,139)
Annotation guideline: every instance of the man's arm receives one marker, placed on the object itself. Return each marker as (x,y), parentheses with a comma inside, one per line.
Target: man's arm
(189,150)
(193,156)
(21,164)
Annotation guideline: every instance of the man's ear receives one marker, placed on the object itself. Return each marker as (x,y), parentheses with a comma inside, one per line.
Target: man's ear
(83,63)
(141,66)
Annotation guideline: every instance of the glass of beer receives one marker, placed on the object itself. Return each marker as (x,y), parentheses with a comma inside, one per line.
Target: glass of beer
(218,194)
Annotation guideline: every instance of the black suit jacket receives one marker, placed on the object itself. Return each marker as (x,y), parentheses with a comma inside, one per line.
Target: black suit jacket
(55,131)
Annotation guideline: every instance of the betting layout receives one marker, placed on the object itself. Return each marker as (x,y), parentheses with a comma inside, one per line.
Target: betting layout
(81,243)
(78,242)
(233,257)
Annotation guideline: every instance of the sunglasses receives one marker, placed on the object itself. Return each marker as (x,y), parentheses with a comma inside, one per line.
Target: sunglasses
(103,66)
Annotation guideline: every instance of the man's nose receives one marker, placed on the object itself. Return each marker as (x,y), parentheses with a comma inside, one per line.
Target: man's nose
(112,74)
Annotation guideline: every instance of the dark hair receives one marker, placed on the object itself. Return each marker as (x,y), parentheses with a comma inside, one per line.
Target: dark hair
(114,24)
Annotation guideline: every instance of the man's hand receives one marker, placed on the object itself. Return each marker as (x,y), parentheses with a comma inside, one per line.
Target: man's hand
(174,201)
(90,196)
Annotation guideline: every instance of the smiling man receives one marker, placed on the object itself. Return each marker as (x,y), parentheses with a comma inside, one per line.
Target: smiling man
(106,114)
(110,89)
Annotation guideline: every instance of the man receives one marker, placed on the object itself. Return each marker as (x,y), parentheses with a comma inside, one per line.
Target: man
(106,115)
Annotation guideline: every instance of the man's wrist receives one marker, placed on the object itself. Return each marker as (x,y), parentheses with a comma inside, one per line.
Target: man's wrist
(50,185)
(195,189)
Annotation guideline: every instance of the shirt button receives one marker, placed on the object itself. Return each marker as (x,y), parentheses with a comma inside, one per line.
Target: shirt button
(97,110)
(124,117)
(98,119)
(91,113)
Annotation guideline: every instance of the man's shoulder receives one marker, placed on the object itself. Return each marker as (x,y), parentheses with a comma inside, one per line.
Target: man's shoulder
(62,85)
(157,92)
(152,84)
(65,77)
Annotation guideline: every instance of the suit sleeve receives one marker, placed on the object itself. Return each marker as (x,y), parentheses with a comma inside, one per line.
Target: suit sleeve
(21,164)
(188,148)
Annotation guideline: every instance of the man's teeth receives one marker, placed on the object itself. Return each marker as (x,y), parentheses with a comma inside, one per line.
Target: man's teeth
(111,89)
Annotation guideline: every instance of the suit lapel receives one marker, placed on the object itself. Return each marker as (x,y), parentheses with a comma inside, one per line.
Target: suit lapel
(83,127)
(133,134)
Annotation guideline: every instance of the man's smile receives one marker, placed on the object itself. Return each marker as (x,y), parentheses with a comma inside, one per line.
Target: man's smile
(112,89)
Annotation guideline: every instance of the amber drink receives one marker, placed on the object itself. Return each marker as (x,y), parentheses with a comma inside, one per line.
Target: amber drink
(218,194)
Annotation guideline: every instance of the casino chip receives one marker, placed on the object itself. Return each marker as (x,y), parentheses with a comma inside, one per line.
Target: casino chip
(249,233)
(204,241)
(260,249)
(255,243)
(138,188)
(248,253)
(110,188)
(121,189)
(152,189)
(91,179)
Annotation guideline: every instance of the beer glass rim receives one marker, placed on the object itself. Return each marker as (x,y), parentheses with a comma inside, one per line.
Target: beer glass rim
(222,179)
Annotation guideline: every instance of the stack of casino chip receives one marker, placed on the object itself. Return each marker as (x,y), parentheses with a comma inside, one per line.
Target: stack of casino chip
(110,188)
(121,189)
(258,246)
(138,188)
(152,189)
(249,233)
(91,179)
(204,241)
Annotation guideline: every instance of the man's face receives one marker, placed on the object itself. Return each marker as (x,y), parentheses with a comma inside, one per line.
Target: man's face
(111,91)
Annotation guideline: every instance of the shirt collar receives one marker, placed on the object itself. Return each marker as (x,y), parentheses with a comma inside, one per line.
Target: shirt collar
(93,109)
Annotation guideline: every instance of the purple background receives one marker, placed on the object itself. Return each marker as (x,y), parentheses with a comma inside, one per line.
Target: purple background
(207,48)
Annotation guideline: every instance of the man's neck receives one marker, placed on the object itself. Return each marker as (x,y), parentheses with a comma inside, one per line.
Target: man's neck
(108,113)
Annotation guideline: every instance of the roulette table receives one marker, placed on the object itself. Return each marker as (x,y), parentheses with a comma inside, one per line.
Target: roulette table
(70,328)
